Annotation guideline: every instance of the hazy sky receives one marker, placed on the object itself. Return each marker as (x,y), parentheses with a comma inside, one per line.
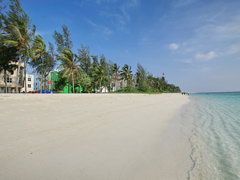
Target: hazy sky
(196,43)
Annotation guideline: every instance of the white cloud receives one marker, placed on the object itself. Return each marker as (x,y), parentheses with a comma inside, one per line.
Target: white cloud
(233,49)
(99,1)
(220,32)
(216,39)
(104,29)
(107,31)
(206,57)
(91,23)
(173,46)
(182,3)
(43,33)
(121,16)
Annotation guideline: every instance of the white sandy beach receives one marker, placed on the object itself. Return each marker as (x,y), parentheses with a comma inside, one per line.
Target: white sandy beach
(92,137)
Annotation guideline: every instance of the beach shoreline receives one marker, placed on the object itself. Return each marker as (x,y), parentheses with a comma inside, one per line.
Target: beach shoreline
(93,136)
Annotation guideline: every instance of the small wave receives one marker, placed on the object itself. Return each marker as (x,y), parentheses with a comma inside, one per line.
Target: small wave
(214,141)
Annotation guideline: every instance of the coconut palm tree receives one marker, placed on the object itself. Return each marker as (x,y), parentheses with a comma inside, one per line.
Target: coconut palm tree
(115,73)
(141,78)
(100,74)
(115,70)
(126,74)
(8,58)
(17,32)
(69,65)
(38,53)
(42,60)
(93,73)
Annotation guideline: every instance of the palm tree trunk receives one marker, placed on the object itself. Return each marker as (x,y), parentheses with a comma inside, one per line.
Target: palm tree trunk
(25,76)
(46,83)
(41,80)
(115,84)
(47,86)
(41,83)
(101,85)
(5,80)
(73,83)
(17,75)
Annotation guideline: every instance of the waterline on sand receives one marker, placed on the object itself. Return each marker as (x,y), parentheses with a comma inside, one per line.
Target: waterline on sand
(215,134)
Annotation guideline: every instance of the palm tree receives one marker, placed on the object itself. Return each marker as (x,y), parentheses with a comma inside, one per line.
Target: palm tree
(42,60)
(126,74)
(49,62)
(38,52)
(115,70)
(69,65)
(85,59)
(8,58)
(100,74)
(103,74)
(115,73)
(93,73)
(17,32)
(141,78)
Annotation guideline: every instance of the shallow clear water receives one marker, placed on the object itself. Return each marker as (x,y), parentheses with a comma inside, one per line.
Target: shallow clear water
(215,136)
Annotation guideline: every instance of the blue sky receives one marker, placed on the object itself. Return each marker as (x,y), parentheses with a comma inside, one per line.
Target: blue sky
(196,43)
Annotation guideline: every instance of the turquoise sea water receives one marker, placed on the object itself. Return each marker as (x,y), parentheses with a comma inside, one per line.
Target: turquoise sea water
(215,136)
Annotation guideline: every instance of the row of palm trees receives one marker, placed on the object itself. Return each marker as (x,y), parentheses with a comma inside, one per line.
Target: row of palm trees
(87,71)
(20,44)
(16,33)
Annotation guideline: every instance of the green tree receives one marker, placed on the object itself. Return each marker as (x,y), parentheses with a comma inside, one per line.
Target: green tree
(84,81)
(42,60)
(63,40)
(38,56)
(94,73)
(85,59)
(70,66)
(18,32)
(104,68)
(8,59)
(69,62)
(141,78)
(126,74)
(114,72)
(100,73)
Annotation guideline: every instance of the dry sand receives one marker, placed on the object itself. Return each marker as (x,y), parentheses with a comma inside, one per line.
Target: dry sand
(92,137)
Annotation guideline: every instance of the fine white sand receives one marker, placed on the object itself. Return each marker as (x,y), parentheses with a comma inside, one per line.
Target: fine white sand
(92,137)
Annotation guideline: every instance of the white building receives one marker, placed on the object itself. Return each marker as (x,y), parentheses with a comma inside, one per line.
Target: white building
(29,83)
(14,80)
(118,83)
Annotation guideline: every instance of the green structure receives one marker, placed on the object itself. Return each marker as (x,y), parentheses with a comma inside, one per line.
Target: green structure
(53,78)
(68,89)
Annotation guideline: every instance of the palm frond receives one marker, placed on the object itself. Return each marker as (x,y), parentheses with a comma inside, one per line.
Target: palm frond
(8,42)
(16,32)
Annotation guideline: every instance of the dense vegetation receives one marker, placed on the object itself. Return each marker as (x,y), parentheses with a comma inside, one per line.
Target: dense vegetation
(19,43)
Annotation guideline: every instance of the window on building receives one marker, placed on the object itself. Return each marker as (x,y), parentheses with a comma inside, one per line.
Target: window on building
(29,79)
(121,84)
(9,80)
(29,86)
(20,81)
(21,71)
(1,90)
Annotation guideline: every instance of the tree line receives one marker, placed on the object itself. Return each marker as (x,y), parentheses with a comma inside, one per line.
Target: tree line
(19,43)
